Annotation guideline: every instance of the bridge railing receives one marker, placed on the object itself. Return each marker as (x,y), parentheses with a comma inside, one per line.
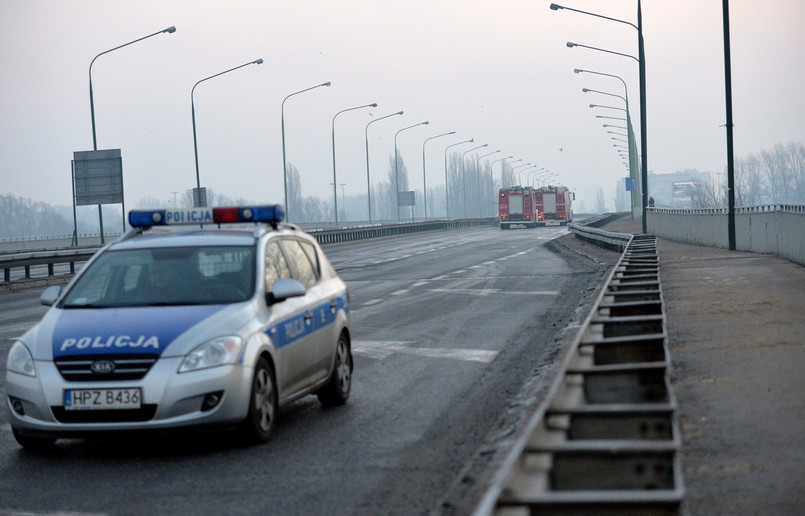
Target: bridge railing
(777,229)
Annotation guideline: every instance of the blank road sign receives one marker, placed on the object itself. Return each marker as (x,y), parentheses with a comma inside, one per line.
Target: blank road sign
(98,177)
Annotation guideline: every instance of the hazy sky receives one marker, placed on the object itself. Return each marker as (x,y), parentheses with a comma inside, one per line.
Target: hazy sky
(496,71)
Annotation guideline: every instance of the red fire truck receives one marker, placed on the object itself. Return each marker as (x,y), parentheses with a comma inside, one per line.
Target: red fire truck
(555,204)
(517,205)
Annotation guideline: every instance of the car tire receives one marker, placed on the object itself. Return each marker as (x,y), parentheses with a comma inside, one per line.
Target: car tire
(337,390)
(263,405)
(33,443)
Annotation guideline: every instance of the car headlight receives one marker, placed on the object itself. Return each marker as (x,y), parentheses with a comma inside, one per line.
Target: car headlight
(20,360)
(219,351)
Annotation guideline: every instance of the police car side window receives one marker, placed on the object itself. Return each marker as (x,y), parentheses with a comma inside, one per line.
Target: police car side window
(276,266)
(302,268)
(310,251)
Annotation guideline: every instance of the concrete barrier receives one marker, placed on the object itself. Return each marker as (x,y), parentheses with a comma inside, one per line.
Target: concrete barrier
(777,229)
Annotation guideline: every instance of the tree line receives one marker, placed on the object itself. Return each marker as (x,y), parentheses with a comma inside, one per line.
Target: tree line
(772,176)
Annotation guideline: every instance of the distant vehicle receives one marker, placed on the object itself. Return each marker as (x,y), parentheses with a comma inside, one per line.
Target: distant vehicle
(207,325)
(517,205)
(555,203)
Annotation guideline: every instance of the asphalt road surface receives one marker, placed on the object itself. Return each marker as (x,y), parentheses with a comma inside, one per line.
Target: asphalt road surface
(447,327)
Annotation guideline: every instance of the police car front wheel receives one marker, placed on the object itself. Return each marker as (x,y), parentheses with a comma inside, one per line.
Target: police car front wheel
(263,405)
(33,443)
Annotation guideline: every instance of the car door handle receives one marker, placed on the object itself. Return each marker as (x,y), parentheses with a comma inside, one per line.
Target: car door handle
(333,304)
(308,316)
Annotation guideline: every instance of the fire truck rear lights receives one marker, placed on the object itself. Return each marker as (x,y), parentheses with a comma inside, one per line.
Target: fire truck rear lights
(270,214)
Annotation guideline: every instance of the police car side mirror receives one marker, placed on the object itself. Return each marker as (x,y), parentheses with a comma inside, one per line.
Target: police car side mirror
(283,289)
(50,295)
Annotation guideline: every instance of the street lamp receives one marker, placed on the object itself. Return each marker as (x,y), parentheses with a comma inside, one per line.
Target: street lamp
(520,174)
(284,162)
(519,179)
(368,182)
(446,183)
(588,90)
(464,178)
(169,30)
(478,177)
(537,171)
(396,174)
(503,169)
(570,44)
(491,165)
(607,107)
(197,200)
(335,181)
(641,61)
(424,183)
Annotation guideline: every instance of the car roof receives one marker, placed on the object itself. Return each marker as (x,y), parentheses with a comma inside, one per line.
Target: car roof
(229,236)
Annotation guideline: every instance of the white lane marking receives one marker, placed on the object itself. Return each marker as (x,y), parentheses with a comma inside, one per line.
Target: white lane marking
(372,302)
(383,349)
(399,292)
(420,283)
(488,291)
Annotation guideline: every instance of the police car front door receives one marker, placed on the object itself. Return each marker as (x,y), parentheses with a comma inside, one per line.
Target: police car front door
(309,361)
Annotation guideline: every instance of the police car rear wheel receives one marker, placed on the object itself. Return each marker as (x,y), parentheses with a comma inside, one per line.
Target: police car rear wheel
(263,406)
(336,392)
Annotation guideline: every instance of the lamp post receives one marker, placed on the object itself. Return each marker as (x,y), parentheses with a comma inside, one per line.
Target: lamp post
(537,171)
(503,169)
(368,181)
(284,162)
(544,177)
(424,183)
(396,174)
(570,44)
(197,201)
(731,239)
(588,90)
(606,107)
(641,61)
(463,176)
(478,177)
(519,166)
(335,181)
(446,183)
(634,172)
(169,30)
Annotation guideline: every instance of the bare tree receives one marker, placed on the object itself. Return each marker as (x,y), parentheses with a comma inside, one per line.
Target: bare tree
(600,201)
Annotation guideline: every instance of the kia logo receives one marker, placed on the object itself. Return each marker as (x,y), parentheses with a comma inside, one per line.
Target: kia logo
(102,367)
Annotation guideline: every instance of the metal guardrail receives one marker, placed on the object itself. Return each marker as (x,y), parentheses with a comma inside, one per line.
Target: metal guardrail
(26,260)
(608,239)
(606,440)
(49,258)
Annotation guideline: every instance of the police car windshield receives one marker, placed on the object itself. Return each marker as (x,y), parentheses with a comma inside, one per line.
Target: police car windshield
(166,276)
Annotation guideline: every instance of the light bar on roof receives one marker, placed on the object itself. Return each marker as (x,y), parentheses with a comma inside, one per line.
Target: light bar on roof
(271,214)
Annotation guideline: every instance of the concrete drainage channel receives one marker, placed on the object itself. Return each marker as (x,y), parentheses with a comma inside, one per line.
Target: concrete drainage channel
(606,440)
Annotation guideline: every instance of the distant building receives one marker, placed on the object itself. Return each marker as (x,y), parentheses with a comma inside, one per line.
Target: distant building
(676,190)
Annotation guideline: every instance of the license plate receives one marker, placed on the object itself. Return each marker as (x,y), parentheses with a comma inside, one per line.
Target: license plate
(102,399)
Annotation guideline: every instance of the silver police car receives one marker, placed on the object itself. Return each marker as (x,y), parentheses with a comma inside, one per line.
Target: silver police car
(165,328)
